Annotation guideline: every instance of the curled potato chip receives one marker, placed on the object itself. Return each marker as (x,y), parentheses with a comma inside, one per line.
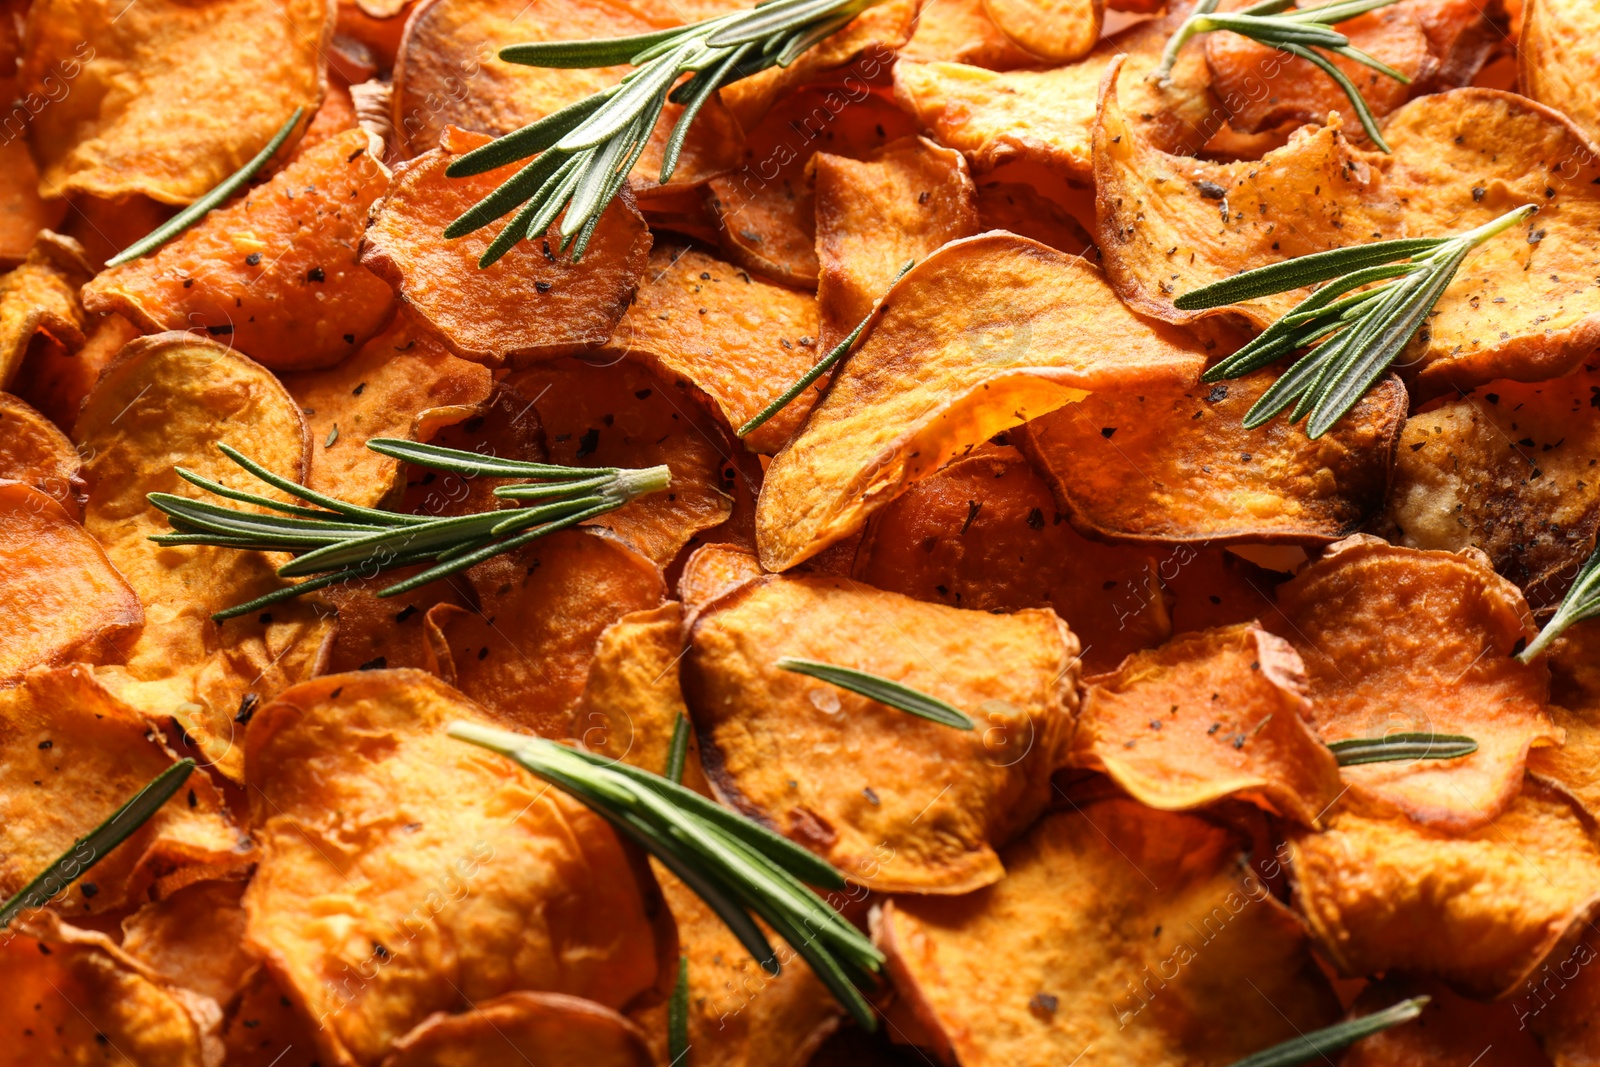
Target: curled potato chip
(631,700)
(236,69)
(1123,465)
(24,214)
(75,754)
(1210,715)
(274,274)
(55,379)
(194,938)
(1047,116)
(41,296)
(33,451)
(712,571)
(1506,469)
(1211,587)
(510,1029)
(985,357)
(61,599)
(1555,56)
(738,339)
(876,215)
(1118,929)
(1056,31)
(165,402)
(531,302)
(1022,209)
(961,31)
(1451,1032)
(896,802)
(984,534)
(404,873)
(1480,909)
(1397,640)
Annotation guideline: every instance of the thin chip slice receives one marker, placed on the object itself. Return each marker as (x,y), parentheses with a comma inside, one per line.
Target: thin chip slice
(1055,31)
(1397,640)
(1047,116)
(631,700)
(957,351)
(24,214)
(1210,715)
(167,401)
(356,790)
(712,572)
(33,451)
(876,215)
(1131,933)
(41,296)
(1451,1032)
(1556,56)
(234,71)
(961,31)
(984,534)
(267,1029)
(1568,1028)
(1022,209)
(534,301)
(55,379)
(1124,465)
(1212,587)
(273,274)
(1574,767)
(194,938)
(898,803)
(1480,909)
(738,339)
(517,1029)
(74,755)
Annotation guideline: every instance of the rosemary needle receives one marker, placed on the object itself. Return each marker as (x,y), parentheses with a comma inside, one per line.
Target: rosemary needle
(678,1018)
(1581,602)
(883,690)
(1317,1044)
(1406,746)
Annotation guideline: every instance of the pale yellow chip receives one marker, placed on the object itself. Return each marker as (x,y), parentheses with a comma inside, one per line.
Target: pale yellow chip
(1054,31)
(1556,57)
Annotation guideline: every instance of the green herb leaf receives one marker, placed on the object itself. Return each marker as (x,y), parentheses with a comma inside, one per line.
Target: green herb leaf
(1319,1043)
(678,1018)
(678,749)
(1406,746)
(1581,602)
(884,691)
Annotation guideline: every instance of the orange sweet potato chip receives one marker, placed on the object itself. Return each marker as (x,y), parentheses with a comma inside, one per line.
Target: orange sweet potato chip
(876,215)
(1210,715)
(194,938)
(985,357)
(24,214)
(234,70)
(55,379)
(534,301)
(61,600)
(1397,640)
(267,1029)
(1119,929)
(1055,31)
(274,274)
(1022,209)
(631,700)
(1124,465)
(41,296)
(1574,768)
(513,1028)
(166,401)
(712,571)
(1480,909)
(1555,57)
(984,534)
(33,451)
(961,31)
(448,73)
(896,802)
(1451,1032)
(525,888)
(738,339)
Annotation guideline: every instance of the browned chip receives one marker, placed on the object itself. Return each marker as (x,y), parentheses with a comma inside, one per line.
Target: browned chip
(194,939)
(274,274)
(1210,715)
(1452,1031)
(1574,767)
(405,873)
(166,99)
(1022,209)
(896,802)
(167,401)
(1556,58)
(35,452)
(1400,641)
(1212,587)
(267,1029)
(960,349)
(534,301)
(984,534)
(631,700)
(961,31)
(1120,935)
(55,379)
(516,1029)
(1055,31)
(876,215)
(738,339)
(41,296)
(1176,464)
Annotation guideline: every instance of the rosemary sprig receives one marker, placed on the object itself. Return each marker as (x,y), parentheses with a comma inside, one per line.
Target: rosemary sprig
(678,748)
(337,541)
(884,691)
(1361,330)
(1407,746)
(736,866)
(87,851)
(586,150)
(1318,1043)
(678,1018)
(1581,602)
(1297,32)
(198,210)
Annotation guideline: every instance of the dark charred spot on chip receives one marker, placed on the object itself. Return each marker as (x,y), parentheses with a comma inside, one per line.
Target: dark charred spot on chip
(1211,190)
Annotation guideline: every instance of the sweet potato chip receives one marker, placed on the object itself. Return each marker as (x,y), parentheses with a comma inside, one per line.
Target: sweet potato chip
(106,227)
(1022,209)
(267,1029)
(1505,468)
(398,385)
(1480,909)
(274,274)
(961,31)
(234,70)
(984,355)
(55,379)
(1555,58)
(33,451)
(531,302)
(516,1029)
(1451,1032)
(1055,31)
(1560,1002)
(525,651)
(897,802)
(765,208)
(404,873)
(194,938)
(1210,715)
(1212,587)
(24,214)
(41,296)
(875,215)
(739,340)
(1047,116)
(984,534)
(448,73)
(1397,640)
(1123,464)
(166,402)
(1574,767)
(1129,932)
(631,699)
(714,571)
(74,755)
